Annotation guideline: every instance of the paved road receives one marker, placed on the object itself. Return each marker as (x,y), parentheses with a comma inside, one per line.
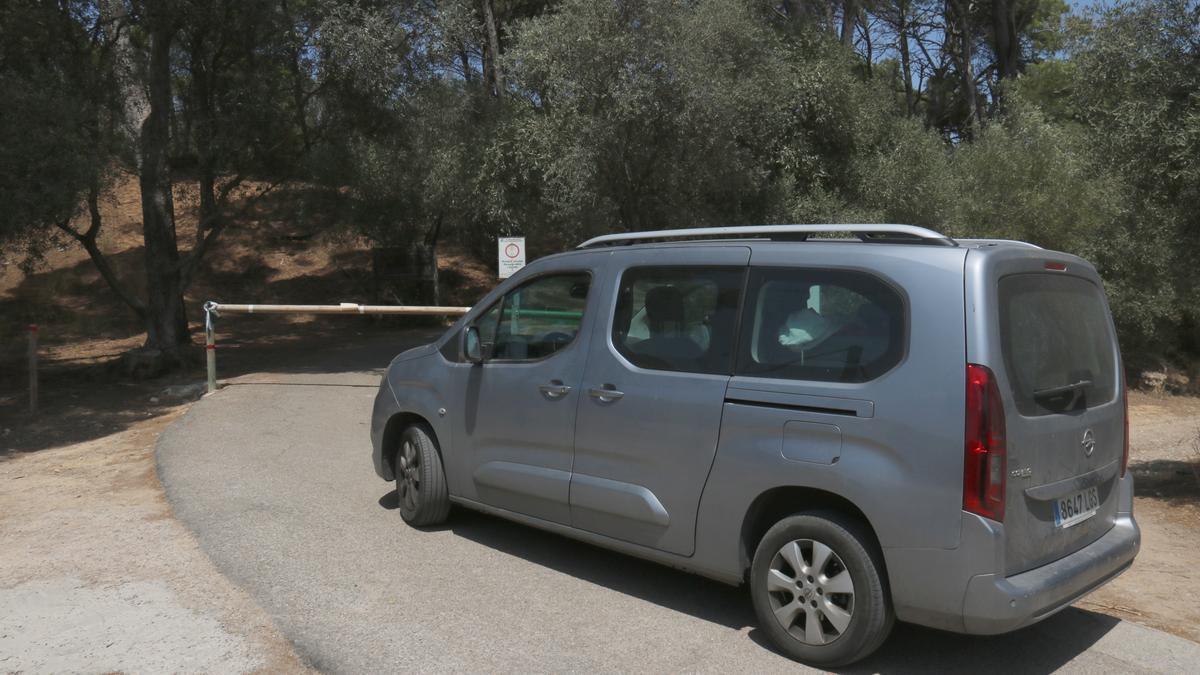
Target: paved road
(273,474)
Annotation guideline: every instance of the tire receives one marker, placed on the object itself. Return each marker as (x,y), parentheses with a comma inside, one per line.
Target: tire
(420,480)
(845,626)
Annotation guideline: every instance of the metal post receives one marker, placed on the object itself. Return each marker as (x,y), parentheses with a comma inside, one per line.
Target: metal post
(33,369)
(210,345)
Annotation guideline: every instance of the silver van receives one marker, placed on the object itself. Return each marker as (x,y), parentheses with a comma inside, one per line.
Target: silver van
(862,423)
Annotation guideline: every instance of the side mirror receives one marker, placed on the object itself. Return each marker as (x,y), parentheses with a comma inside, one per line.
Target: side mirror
(472,347)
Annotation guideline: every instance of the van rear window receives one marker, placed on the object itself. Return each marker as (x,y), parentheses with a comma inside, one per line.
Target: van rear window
(1058,345)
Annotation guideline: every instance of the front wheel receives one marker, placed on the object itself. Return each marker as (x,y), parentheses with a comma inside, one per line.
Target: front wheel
(420,480)
(818,589)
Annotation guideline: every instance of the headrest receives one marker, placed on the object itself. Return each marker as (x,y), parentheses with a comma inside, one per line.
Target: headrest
(664,304)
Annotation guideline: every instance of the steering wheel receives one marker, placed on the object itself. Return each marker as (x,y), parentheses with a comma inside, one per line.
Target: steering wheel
(556,338)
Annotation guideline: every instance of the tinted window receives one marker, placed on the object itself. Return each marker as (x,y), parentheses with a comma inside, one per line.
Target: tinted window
(828,325)
(487,323)
(537,319)
(677,318)
(1055,332)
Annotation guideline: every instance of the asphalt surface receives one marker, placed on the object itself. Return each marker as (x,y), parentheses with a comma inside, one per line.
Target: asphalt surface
(273,474)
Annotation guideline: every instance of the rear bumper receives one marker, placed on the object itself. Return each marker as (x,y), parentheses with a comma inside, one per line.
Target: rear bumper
(965,590)
(997,604)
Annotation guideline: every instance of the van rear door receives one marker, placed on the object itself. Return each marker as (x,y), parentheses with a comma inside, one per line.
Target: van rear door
(1051,344)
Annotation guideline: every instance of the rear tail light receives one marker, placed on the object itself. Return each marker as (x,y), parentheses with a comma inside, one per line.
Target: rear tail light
(1125,450)
(986,455)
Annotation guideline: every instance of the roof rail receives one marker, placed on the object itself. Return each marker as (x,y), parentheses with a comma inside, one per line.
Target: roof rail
(892,234)
(997,242)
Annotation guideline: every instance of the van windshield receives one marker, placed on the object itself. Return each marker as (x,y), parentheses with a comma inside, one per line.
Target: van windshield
(1058,345)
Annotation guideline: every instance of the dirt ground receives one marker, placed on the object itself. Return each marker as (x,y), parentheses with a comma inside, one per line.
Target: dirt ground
(96,575)
(1162,589)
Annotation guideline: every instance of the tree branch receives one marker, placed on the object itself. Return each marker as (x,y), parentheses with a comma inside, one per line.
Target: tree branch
(88,241)
(210,228)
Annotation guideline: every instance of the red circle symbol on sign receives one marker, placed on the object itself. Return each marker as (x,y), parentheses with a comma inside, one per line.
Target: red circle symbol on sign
(512,250)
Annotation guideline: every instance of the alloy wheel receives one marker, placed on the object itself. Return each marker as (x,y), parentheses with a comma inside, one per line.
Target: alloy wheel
(811,592)
(408,475)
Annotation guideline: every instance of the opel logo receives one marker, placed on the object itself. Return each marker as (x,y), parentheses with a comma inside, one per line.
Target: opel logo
(1088,443)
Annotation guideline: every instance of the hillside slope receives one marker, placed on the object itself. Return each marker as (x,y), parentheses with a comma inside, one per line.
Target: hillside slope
(288,248)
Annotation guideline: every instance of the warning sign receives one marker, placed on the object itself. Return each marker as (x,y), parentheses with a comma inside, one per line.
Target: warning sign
(512,255)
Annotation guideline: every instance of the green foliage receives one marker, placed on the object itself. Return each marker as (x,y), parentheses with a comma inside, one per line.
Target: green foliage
(1025,178)
(1049,86)
(1084,134)
(53,141)
(1137,91)
(656,114)
(1045,36)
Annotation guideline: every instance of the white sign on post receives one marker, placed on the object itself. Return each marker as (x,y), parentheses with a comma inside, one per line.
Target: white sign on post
(512,255)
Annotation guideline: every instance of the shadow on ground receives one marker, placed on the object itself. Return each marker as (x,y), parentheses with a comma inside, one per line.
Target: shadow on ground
(910,649)
(85,401)
(1173,481)
(1043,648)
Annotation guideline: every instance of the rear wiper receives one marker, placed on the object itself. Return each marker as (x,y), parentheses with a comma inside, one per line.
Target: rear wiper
(1050,392)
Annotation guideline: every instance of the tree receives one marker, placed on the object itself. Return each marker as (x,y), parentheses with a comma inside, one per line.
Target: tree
(431,119)
(57,125)
(646,114)
(1136,88)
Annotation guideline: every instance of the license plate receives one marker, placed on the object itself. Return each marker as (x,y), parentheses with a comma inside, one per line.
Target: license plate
(1076,508)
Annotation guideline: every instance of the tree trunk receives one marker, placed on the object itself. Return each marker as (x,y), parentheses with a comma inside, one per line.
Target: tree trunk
(902,28)
(87,239)
(206,161)
(166,319)
(127,66)
(431,243)
(849,14)
(963,54)
(465,62)
(794,9)
(1005,43)
(493,76)
(870,47)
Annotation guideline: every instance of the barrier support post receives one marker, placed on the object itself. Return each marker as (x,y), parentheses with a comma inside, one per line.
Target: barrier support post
(210,346)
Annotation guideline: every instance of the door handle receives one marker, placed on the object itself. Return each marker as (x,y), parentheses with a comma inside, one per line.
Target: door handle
(556,389)
(605,394)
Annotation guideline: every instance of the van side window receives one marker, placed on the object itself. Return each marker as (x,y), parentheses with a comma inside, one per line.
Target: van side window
(678,318)
(825,325)
(537,319)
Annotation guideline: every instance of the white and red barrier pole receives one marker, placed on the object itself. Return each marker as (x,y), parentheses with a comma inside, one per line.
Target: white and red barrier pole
(213,309)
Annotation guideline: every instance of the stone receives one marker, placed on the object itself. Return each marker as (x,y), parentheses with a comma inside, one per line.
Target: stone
(1153,380)
(187,392)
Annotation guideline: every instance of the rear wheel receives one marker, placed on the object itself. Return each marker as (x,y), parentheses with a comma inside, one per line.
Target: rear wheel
(420,481)
(818,589)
